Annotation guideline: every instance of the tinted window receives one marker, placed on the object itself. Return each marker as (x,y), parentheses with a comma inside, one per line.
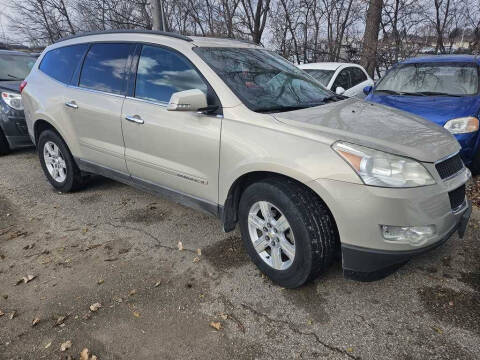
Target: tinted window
(343,80)
(162,72)
(357,75)
(105,67)
(61,63)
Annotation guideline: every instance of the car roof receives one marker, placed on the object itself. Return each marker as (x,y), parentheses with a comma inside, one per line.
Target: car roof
(327,65)
(199,41)
(442,58)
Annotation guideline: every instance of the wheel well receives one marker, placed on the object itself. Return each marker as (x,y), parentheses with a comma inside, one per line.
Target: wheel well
(229,212)
(40,126)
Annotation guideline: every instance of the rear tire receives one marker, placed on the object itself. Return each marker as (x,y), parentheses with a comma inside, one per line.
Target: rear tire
(57,163)
(312,235)
(4,147)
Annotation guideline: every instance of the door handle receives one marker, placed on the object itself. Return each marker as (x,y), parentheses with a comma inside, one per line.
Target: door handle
(71,104)
(135,119)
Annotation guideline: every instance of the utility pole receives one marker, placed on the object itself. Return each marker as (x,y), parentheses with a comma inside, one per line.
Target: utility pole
(158,16)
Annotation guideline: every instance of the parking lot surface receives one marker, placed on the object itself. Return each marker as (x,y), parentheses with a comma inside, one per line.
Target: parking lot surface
(114,245)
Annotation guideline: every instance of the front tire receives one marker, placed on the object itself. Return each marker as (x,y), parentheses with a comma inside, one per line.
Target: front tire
(475,166)
(4,147)
(57,162)
(287,231)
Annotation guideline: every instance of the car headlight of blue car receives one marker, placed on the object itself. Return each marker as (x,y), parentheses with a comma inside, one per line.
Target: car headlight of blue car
(462,125)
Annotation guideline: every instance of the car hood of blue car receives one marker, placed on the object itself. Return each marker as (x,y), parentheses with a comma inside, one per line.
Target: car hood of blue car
(438,109)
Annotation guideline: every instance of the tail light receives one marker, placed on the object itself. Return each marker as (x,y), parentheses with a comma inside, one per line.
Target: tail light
(22,86)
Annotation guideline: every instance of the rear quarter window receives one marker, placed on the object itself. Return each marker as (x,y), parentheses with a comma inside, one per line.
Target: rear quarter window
(60,63)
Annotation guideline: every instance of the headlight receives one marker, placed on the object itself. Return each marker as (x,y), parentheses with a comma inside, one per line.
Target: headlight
(462,125)
(378,168)
(13,100)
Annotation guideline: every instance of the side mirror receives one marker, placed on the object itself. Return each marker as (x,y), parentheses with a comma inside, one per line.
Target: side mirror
(188,100)
(339,90)
(367,89)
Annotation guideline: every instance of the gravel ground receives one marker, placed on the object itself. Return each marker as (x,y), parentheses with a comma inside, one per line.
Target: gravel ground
(114,245)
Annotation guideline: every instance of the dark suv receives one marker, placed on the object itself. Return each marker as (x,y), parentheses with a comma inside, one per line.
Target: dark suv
(14,67)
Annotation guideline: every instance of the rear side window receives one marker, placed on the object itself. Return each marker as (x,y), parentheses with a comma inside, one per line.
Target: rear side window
(357,76)
(60,63)
(105,67)
(162,72)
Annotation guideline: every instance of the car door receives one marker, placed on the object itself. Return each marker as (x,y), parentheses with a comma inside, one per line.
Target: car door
(177,150)
(94,104)
(342,80)
(359,80)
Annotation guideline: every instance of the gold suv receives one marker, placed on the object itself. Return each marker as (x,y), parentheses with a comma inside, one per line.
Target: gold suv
(236,130)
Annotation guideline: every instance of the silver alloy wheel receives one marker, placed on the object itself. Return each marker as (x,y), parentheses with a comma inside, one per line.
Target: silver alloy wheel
(54,161)
(271,235)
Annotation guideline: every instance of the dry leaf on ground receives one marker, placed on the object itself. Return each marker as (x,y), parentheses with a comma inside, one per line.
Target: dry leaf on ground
(84,355)
(1,313)
(216,325)
(35,321)
(132,292)
(48,345)
(199,252)
(60,320)
(95,307)
(12,314)
(66,345)
(136,314)
(180,246)
(157,284)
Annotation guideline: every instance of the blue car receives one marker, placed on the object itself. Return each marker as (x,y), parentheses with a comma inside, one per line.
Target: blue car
(443,89)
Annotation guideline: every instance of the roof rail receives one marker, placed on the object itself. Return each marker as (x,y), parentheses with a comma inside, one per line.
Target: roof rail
(128,31)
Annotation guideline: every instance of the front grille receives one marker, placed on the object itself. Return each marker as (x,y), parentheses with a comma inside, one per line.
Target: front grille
(450,166)
(457,197)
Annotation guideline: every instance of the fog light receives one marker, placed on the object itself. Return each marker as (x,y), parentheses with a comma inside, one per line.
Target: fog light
(414,235)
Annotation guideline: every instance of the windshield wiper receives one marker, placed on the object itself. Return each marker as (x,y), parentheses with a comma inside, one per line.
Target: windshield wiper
(434,93)
(401,93)
(282,108)
(14,77)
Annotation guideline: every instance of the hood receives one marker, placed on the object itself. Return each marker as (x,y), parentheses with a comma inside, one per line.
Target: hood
(375,126)
(11,85)
(438,109)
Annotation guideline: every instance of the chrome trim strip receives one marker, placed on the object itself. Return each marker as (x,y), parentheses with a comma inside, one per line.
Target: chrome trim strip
(162,104)
(446,157)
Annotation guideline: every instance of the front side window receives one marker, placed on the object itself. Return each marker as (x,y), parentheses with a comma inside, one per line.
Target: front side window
(105,67)
(424,79)
(60,63)
(323,76)
(263,80)
(342,80)
(162,72)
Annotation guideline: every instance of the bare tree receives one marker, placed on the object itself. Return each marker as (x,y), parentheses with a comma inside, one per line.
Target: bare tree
(370,38)
(254,16)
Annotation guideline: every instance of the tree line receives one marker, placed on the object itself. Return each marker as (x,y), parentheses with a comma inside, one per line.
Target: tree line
(377,33)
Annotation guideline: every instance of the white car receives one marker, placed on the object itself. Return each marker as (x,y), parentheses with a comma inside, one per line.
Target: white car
(342,78)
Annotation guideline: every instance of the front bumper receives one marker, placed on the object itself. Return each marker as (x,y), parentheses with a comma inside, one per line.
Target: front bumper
(14,126)
(470,144)
(360,210)
(369,264)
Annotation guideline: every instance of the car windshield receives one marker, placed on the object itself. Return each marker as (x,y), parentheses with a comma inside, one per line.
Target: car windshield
(15,67)
(431,79)
(265,81)
(323,76)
